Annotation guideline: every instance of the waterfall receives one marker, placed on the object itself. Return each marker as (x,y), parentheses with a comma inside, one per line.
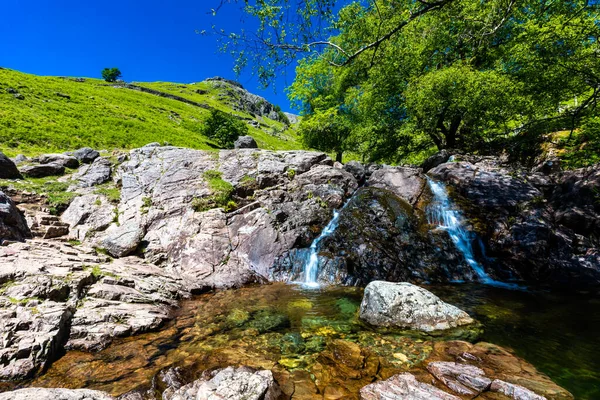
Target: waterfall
(444,214)
(311,268)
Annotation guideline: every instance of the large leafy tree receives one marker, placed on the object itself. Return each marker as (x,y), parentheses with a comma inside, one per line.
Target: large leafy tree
(414,75)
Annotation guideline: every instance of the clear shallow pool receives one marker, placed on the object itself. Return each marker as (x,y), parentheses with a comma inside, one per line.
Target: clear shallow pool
(559,334)
(292,330)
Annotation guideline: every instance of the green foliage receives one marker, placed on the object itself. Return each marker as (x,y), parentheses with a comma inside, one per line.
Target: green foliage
(223,128)
(582,148)
(113,194)
(398,80)
(111,74)
(221,196)
(102,116)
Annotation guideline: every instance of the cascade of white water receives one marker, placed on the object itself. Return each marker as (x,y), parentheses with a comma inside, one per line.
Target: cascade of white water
(443,214)
(311,267)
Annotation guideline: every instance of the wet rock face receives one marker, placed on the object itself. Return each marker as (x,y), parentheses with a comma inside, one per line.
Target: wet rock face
(55,394)
(13,225)
(539,228)
(8,169)
(403,305)
(380,237)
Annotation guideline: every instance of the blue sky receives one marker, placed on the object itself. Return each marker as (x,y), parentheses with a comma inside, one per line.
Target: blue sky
(147,40)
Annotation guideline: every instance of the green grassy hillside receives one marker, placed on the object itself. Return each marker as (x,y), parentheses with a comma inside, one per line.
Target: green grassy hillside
(45,114)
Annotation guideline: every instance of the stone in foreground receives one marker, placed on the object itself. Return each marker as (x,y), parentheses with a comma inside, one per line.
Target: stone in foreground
(405,387)
(55,394)
(404,305)
(464,379)
(514,391)
(231,383)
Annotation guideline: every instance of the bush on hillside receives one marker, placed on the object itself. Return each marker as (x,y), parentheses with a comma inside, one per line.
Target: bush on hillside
(111,74)
(223,128)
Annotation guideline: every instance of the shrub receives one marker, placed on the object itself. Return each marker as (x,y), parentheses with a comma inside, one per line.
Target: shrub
(223,128)
(111,74)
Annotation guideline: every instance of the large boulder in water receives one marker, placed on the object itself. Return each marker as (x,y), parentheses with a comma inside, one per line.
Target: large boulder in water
(8,169)
(406,306)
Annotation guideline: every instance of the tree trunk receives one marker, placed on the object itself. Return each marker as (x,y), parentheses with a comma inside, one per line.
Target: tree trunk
(338,156)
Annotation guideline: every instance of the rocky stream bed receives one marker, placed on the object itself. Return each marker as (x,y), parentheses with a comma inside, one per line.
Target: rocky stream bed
(113,292)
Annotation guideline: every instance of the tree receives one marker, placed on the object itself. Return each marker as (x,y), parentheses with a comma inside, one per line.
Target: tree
(414,76)
(223,128)
(111,74)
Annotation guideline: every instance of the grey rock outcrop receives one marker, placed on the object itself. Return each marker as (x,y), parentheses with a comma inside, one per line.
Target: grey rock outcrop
(276,209)
(13,225)
(42,170)
(8,169)
(96,173)
(86,155)
(230,383)
(435,160)
(60,159)
(55,394)
(404,386)
(406,183)
(56,295)
(124,239)
(245,142)
(403,305)
(87,215)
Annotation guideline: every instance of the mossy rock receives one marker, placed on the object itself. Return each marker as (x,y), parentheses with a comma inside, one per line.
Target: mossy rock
(268,320)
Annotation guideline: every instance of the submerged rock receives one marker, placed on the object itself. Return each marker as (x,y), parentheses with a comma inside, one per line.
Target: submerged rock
(405,387)
(403,305)
(55,394)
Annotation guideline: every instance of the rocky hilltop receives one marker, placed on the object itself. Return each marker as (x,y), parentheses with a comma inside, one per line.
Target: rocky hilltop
(148,228)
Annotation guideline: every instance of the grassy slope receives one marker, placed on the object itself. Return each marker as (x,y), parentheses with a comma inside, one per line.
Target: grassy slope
(102,116)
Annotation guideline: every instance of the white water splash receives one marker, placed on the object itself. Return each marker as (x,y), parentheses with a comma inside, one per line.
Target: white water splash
(311,268)
(443,214)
